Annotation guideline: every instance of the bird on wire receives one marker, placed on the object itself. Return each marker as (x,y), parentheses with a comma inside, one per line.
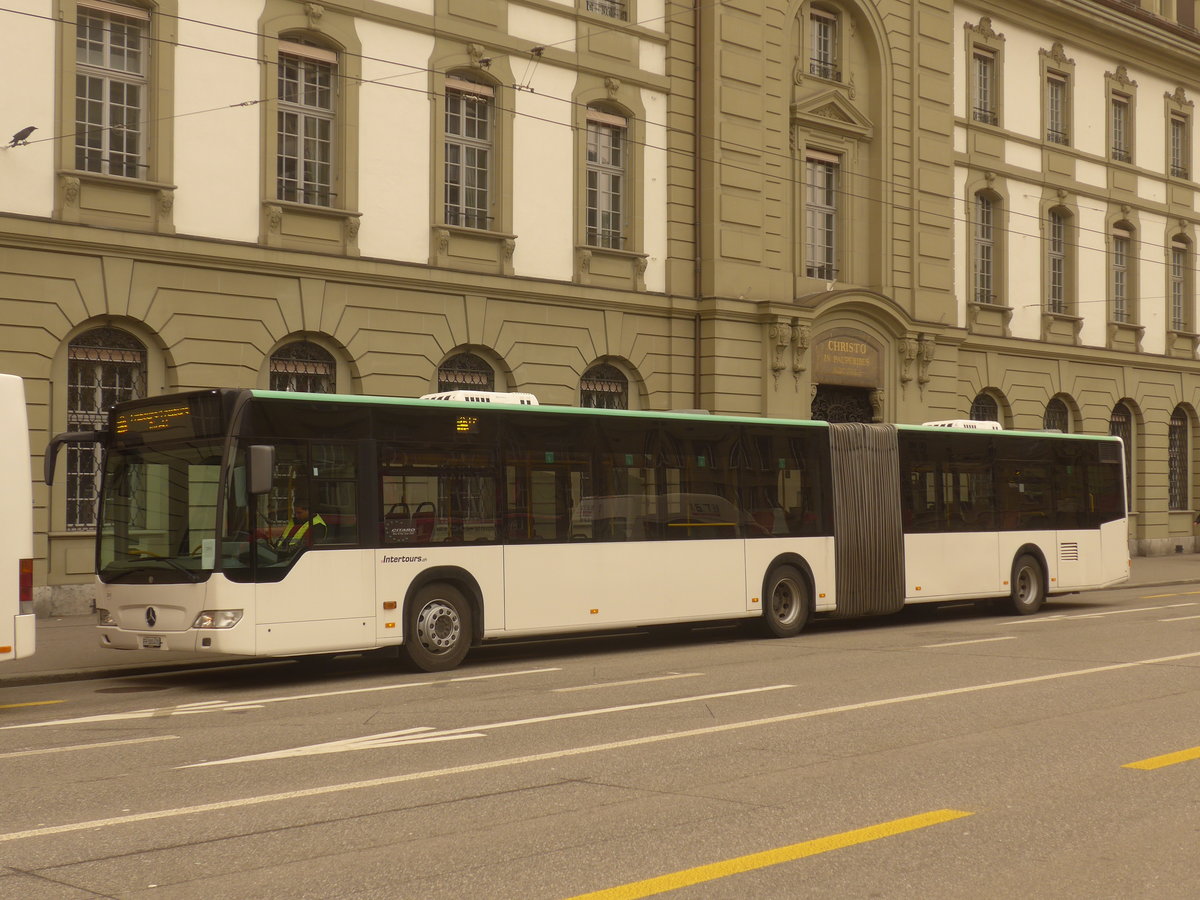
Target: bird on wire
(22,136)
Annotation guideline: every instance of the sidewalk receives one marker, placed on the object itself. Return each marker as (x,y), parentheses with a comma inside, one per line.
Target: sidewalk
(68,648)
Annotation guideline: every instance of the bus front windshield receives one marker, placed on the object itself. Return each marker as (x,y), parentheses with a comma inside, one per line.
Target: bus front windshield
(159,513)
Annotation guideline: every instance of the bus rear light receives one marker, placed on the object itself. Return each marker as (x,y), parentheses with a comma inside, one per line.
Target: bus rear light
(25,586)
(218,618)
(104,617)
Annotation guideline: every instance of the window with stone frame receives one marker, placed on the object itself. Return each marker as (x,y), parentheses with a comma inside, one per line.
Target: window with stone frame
(605,180)
(1179,284)
(1056,261)
(821,219)
(1180,146)
(303,366)
(1121,275)
(984,248)
(1120,146)
(1177,459)
(104,366)
(112,89)
(823,53)
(470,153)
(306,129)
(983,103)
(1057,110)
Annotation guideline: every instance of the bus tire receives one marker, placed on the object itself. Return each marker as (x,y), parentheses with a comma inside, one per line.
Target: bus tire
(786,602)
(438,630)
(1028,586)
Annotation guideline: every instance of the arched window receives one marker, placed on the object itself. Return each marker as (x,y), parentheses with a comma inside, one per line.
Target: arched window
(104,366)
(604,387)
(1120,424)
(984,408)
(466,372)
(303,366)
(1177,459)
(1057,417)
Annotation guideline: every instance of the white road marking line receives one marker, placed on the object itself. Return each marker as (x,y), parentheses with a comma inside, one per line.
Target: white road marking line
(1161,596)
(145,740)
(1179,619)
(387,781)
(206,706)
(426,734)
(1059,617)
(960,643)
(604,684)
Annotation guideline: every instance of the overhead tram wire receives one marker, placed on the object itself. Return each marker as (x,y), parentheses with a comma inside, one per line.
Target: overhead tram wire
(782,176)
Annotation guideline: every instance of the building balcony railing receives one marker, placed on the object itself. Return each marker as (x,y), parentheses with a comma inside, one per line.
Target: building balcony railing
(824,69)
(1056,137)
(613,9)
(1121,155)
(985,115)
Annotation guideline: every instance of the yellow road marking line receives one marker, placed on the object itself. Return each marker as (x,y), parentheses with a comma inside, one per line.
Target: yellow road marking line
(1167,759)
(712,871)
(33,703)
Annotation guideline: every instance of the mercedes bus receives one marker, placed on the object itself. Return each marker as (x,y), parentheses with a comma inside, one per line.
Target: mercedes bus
(17,634)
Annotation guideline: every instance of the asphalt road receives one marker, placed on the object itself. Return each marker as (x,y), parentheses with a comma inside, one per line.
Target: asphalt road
(946,753)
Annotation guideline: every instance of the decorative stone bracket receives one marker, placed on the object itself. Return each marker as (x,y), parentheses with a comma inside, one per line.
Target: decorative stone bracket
(783,334)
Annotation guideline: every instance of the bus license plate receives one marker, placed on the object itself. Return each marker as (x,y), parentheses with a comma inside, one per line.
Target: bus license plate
(151,643)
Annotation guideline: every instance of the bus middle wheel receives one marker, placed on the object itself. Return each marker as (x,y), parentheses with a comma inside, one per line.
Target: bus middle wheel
(1028,586)
(438,630)
(786,602)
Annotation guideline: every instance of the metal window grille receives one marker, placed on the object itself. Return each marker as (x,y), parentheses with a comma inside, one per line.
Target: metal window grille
(821,219)
(1180,158)
(305,128)
(823,59)
(110,92)
(1177,460)
(985,249)
(985,89)
(605,179)
(104,366)
(1120,129)
(466,371)
(468,158)
(984,408)
(303,366)
(604,387)
(1056,110)
(613,9)
(1120,424)
(1178,276)
(1057,417)
(1056,252)
(1120,278)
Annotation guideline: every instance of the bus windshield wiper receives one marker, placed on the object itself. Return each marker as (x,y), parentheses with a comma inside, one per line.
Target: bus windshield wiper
(192,576)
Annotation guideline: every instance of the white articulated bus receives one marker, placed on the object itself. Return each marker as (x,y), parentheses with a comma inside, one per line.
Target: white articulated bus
(16,525)
(432,525)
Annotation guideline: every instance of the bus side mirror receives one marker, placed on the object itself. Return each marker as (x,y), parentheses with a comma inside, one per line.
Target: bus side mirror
(67,437)
(262,467)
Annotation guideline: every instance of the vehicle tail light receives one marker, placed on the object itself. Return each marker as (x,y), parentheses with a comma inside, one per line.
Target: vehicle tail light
(25,586)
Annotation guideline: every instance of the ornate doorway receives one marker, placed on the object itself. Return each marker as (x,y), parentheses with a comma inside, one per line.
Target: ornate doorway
(837,403)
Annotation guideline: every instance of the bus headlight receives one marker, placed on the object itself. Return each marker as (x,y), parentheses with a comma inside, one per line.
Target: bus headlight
(104,617)
(218,618)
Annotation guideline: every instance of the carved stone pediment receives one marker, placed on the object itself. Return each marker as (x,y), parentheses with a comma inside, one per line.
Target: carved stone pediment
(831,110)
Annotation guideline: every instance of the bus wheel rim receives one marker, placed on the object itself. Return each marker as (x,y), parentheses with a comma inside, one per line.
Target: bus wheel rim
(785,603)
(438,626)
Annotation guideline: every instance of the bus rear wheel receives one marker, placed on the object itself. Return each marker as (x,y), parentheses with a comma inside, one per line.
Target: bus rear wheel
(1028,586)
(439,627)
(785,602)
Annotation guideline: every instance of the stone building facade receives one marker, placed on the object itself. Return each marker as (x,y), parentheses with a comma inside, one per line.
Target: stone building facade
(844,209)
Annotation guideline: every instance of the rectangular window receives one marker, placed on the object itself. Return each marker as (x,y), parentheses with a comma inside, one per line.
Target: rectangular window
(823,61)
(985,88)
(468,153)
(305,126)
(1180,146)
(1120,276)
(1057,260)
(111,90)
(605,180)
(1178,286)
(1056,110)
(821,217)
(985,249)
(1119,124)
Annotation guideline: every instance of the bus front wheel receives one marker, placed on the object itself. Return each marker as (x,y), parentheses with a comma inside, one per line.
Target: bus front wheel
(785,602)
(438,629)
(1028,586)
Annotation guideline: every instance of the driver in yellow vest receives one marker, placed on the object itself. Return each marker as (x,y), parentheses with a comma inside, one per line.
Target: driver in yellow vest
(303,529)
